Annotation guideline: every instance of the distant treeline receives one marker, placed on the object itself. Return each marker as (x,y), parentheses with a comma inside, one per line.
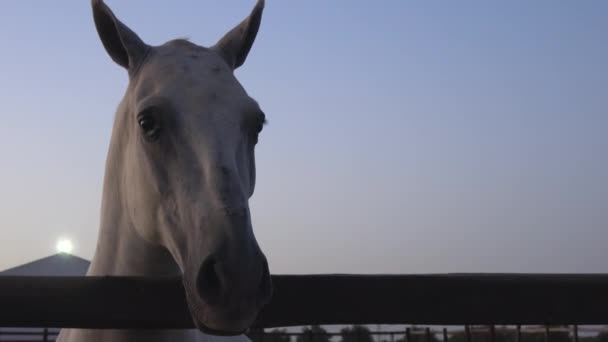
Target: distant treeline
(359,333)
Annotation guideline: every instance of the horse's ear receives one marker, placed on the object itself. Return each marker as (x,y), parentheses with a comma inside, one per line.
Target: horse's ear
(122,44)
(235,45)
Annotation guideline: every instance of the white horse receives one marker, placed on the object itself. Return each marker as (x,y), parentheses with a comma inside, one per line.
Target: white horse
(179,174)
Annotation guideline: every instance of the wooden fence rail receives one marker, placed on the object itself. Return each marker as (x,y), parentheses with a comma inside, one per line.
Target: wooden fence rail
(569,333)
(450,299)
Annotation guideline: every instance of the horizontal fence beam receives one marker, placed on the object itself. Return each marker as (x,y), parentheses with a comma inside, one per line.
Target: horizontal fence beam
(450,299)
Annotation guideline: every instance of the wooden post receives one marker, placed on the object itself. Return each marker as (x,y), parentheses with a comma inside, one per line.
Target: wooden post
(518,336)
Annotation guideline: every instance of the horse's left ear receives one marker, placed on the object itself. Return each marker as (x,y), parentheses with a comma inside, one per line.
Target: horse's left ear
(235,45)
(123,45)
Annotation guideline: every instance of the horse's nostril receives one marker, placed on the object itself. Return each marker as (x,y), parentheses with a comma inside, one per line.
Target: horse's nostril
(208,282)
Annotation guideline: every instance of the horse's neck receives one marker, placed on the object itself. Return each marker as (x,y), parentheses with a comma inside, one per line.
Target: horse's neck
(120,249)
(122,252)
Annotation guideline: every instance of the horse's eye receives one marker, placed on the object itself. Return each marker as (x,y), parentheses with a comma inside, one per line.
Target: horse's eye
(149,126)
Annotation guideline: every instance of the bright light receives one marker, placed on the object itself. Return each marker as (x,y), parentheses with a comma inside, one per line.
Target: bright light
(65,246)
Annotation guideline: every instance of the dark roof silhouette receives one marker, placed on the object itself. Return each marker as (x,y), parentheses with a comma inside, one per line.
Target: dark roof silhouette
(60,264)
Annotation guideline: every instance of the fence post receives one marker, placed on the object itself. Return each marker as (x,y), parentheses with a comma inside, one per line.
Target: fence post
(467,332)
(547,333)
(45,335)
(445,335)
(408,335)
(492,333)
(428,334)
(518,336)
(576,333)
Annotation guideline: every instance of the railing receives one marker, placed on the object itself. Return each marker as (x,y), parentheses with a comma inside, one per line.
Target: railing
(29,335)
(456,299)
(408,334)
(436,334)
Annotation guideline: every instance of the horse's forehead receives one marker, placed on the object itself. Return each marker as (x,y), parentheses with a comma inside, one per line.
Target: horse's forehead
(191,80)
(182,64)
(183,50)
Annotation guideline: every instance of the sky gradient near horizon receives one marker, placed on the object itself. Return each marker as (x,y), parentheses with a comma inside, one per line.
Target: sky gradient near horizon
(403,136)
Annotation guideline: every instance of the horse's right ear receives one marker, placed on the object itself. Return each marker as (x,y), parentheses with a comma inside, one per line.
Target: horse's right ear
(122,44)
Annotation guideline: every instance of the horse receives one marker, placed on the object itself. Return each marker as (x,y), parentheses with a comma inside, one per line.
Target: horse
(179,173)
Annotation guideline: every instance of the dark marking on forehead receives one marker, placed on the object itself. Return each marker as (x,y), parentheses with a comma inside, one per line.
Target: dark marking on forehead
(184,47)
(185,44)
(185,67)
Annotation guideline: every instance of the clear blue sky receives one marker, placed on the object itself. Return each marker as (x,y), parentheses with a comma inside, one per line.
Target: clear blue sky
(404,137)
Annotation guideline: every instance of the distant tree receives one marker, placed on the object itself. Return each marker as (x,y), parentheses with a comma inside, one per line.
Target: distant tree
(314,333)
(356,333)
(601,337)
(418,334)
(276,335)
(484,335)
(554,336)
(560,336)
(457,337)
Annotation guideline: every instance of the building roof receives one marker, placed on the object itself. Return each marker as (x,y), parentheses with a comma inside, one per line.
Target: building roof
(60,264)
